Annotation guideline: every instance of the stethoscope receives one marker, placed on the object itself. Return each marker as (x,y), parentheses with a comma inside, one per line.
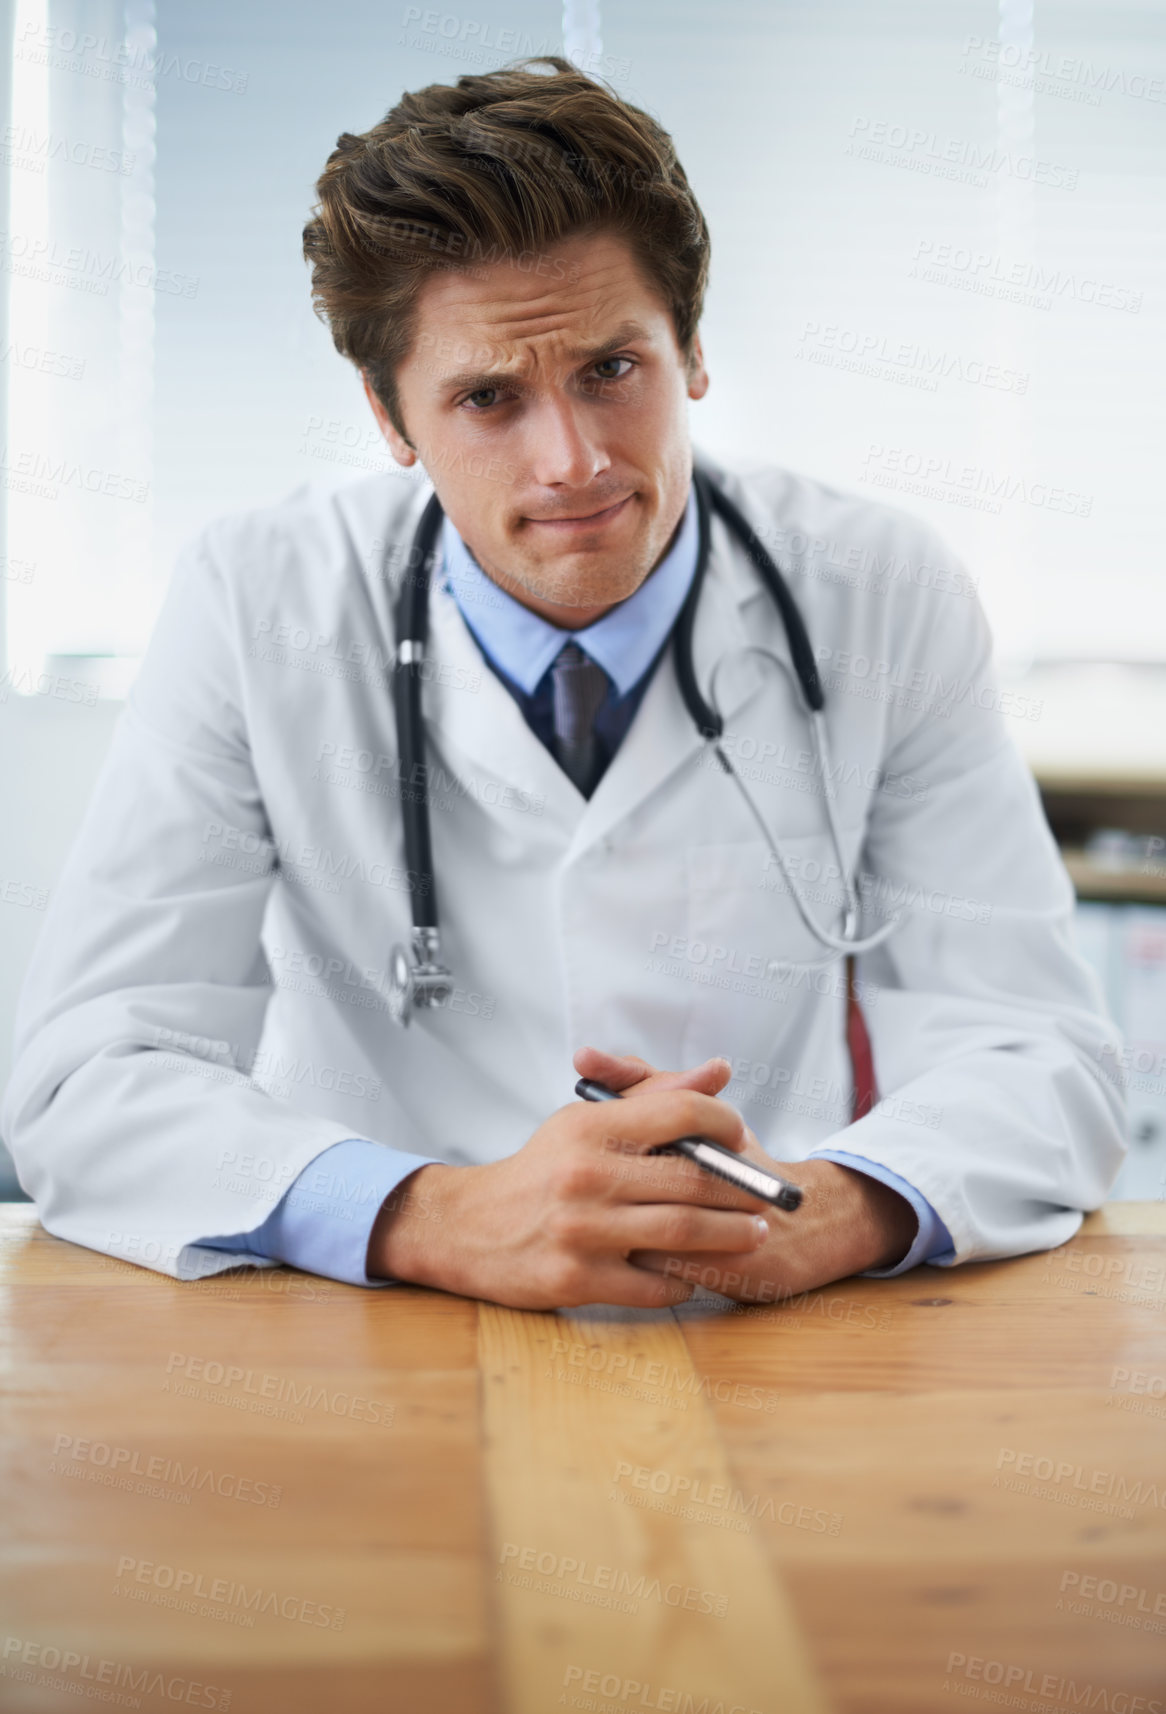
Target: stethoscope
(421,979)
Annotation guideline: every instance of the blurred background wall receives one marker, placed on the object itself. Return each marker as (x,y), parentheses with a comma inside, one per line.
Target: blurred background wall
(938,277)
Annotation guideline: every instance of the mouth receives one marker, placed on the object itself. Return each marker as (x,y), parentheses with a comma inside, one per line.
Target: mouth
(587,521)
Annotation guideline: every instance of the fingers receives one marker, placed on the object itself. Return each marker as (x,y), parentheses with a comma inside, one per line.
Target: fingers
(709,1078)
(762,1277)
(675,1228)
(638,1178)
(627,1072)
(619,1282)
(618,1071)
(730,1276)
(663,1116)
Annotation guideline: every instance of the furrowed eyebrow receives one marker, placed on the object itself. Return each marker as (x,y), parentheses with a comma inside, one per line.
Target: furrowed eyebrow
(471,380)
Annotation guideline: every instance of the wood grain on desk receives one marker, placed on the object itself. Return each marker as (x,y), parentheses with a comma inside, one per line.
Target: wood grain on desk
(265,1491)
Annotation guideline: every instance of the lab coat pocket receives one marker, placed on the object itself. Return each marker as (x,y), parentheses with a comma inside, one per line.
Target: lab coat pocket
(748,948)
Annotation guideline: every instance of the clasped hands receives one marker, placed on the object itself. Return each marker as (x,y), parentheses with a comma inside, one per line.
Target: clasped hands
(584,1213)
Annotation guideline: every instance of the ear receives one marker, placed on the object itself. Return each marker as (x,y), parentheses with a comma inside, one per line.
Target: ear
(698,380)
(402,452)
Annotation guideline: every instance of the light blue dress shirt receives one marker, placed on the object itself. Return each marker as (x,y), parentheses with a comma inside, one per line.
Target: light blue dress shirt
(323,1223)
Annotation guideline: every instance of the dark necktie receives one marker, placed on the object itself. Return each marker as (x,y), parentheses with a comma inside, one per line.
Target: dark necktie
(579,687)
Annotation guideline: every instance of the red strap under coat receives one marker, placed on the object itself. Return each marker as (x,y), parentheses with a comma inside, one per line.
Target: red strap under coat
(861,1057)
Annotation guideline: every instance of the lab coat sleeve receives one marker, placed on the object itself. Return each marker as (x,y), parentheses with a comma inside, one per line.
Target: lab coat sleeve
(130,1101)
(1002,1101)
(323,1223)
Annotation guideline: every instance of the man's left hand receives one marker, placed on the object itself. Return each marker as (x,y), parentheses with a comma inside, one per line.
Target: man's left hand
(847,1221)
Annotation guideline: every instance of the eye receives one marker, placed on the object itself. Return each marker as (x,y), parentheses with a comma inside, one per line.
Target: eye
(604,361)
(482,398)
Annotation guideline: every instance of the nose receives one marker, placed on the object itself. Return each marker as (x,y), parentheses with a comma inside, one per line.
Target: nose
(562,453)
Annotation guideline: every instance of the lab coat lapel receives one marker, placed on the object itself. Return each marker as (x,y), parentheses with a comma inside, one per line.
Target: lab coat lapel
(467,707)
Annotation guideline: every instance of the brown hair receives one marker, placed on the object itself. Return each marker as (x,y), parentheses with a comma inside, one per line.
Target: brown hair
(502,165)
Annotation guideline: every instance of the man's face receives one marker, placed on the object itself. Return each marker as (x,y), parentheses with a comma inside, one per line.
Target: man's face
(546,398)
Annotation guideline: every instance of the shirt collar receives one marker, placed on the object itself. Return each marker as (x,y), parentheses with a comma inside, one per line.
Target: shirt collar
(523,644)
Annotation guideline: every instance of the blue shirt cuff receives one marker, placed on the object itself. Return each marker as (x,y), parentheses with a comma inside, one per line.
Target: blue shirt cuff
(932,1241)
(323,1222)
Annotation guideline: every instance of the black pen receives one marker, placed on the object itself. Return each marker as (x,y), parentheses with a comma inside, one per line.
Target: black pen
(713,1157)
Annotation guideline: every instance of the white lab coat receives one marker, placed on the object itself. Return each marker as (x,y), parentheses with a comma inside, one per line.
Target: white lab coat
(205,1010)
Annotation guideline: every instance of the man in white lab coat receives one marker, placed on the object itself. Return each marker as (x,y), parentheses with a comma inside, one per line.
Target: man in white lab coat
(207,1072)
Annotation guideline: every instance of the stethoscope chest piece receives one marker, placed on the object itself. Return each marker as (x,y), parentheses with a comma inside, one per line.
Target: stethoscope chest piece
(418,981)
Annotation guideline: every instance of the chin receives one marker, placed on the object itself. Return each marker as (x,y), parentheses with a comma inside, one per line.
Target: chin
(588,591)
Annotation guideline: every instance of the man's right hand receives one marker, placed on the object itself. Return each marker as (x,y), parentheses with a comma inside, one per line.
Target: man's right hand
(551,1226)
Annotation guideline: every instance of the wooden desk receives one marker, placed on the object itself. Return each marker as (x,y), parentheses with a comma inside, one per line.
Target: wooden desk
(896,1492)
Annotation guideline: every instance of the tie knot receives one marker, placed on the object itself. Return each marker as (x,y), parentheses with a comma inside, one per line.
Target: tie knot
(579,687)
